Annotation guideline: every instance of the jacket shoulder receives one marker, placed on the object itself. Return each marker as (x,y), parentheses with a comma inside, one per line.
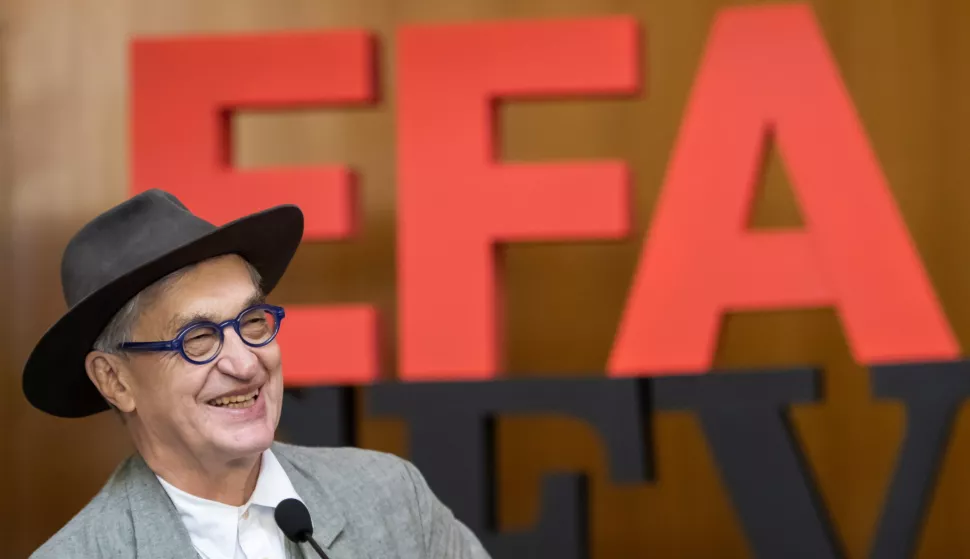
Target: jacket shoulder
(348,464)
(103,528)
(362,479)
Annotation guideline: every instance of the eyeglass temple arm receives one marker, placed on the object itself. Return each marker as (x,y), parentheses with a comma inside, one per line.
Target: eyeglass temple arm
(148,346)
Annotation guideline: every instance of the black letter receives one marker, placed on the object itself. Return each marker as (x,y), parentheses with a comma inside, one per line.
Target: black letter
(933,393)
(452,442)
(744,415)
(318,416)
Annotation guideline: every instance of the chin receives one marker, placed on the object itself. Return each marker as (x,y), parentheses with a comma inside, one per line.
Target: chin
(242,443)
(242,439)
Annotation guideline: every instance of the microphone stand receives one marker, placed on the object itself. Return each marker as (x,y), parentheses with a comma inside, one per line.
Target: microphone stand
(316,547)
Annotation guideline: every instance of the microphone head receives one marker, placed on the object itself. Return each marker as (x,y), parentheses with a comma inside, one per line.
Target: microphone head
(293,518)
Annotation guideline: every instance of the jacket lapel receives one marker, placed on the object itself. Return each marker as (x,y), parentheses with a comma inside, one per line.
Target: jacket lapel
(328,523)
(159,532)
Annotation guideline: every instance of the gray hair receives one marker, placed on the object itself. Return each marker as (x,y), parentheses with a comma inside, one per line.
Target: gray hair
(119,330)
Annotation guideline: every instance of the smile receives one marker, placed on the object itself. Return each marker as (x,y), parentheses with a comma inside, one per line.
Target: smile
(242,401)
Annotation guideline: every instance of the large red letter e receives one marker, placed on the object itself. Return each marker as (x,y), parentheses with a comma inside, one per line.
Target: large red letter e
(184,88)
(767,70)
(456,203)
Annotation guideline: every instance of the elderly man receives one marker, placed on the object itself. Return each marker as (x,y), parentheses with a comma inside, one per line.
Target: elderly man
(168,324)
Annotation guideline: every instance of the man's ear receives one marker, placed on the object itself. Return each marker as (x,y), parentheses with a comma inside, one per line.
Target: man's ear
(105,371)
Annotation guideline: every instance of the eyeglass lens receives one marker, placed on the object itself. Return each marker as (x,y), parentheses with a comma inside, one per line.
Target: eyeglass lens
(256,327)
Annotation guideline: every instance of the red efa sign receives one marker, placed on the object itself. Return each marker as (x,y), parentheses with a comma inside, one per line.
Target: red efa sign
(765,69)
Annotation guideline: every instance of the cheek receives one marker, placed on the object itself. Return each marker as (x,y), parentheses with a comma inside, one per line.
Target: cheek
(270,358)
(167,384)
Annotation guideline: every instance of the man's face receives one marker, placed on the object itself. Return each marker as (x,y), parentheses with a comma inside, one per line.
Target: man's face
(175,400)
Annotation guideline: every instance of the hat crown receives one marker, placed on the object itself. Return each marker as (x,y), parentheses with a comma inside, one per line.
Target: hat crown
(124,238)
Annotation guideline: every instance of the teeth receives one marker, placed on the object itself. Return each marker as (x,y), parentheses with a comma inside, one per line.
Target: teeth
(243,401)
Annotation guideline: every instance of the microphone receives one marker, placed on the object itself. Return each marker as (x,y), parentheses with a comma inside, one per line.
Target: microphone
(293,518)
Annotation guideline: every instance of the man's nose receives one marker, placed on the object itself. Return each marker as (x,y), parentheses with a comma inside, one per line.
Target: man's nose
(236,358)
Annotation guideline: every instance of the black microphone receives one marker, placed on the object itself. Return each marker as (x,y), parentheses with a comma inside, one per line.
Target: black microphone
(293,518)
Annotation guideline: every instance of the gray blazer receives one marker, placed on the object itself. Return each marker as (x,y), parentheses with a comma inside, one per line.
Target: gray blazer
(364,504)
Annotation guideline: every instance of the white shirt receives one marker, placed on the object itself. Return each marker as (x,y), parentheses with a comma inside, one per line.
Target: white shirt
(220,531)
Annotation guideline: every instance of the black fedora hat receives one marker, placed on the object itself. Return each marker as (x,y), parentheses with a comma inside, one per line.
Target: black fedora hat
(123,251)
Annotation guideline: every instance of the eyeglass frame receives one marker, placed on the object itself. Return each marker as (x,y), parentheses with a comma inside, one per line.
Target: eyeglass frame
(176,344)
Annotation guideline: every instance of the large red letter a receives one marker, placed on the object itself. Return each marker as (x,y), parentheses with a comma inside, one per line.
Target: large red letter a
(767,70)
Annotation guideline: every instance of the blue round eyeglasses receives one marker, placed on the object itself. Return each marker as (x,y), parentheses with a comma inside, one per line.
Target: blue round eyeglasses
(200,342)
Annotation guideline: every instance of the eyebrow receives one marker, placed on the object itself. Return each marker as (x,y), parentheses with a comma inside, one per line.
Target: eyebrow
(180,321)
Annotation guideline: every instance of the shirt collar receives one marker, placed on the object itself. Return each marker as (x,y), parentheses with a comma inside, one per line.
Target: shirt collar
(273,485)
(214,526)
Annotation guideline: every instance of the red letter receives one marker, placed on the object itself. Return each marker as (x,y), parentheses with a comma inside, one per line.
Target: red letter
(456,202)
(767,70)
(183,90)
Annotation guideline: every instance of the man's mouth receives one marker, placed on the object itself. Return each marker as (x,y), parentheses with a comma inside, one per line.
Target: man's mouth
(241,401)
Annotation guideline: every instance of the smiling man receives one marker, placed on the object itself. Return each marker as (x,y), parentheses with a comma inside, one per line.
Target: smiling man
(168,324)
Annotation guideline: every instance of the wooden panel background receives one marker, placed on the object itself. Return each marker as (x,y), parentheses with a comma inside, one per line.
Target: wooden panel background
(63,141)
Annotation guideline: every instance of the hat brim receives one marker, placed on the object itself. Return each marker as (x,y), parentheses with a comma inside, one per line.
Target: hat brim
(54,377)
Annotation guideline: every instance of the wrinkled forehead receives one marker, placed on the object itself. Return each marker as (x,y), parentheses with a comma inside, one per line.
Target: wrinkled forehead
(214,290)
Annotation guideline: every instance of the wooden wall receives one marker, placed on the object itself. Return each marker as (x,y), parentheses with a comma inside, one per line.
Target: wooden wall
(63,159)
